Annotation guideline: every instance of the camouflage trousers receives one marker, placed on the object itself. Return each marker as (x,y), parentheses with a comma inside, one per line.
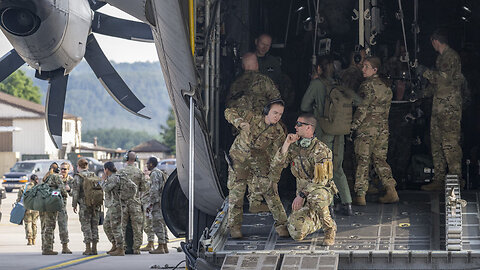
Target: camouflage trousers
(89,217)
(159,226)
(30,222)
(63,224)
(48,222)
(445,143)
(312,216)
(237,186)
(147,226)
(372,145)
(112,225)
(133,210)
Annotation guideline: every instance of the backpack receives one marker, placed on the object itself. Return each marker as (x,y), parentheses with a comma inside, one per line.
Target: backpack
(337,112)
(42,198)
(92,189)
(128,189)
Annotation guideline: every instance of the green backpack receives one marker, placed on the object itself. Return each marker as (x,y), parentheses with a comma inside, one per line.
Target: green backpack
(92,190)
(128,189)
(337,112)
(42,198)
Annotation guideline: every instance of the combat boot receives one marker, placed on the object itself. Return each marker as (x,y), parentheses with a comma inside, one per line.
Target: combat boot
(165,248)
(148,247)
(88,249)
(119,251)
(94,248)
(360,200)
(282,231)
(49,252)
(329,238)
(236,232)
(30,242)
(33,241)
(433,186)
(372,189)
(65,249)
(136,252)
(114,247)
(258,208)
(390,197)
(158,250)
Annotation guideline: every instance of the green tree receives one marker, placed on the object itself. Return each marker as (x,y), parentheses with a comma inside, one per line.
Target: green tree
(19,85)
(115,138)
(168,132)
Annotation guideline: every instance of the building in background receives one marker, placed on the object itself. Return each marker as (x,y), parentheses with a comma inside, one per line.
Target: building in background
(151,148)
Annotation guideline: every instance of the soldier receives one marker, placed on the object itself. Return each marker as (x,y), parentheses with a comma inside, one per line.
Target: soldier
(256,88)
(446,112)
(260,135)
(147,217)
(31,216)
(132,210)
(370,122)
(88,215)
(113,219)
(313,101)
(311,163)
(49,219)
(62,215)
(158,179)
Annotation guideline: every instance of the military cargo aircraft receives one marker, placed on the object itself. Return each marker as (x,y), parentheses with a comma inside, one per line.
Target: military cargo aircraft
(199,44)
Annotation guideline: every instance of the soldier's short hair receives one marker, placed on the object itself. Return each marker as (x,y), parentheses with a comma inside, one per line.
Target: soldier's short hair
(82,163)
(440,35)
(309,118)
(65,163)
(153,161)
(110,166)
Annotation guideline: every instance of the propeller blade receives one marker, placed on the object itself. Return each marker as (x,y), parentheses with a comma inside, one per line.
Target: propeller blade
(116,27)
(57,88)
(10,62)
(95,4)
(110,79)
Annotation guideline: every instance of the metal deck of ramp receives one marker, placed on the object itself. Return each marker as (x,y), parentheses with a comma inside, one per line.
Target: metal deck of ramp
(410,233)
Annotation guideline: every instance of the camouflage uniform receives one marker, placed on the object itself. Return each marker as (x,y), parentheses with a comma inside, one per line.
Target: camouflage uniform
(113,219)
(314,214)
(371,124)
(88,215)
(313,101)
(158,179)
(133,208)
(31,216)
(49,219)
(256,89)
(446,114)
(251,154)
(147,219)
(62,215)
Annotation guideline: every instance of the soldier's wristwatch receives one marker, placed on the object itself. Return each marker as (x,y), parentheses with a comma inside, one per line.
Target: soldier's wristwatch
(302,195)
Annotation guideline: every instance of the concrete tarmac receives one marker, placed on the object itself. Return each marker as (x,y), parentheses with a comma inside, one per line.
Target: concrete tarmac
(15,254)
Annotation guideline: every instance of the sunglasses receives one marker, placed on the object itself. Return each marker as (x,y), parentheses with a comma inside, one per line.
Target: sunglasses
(299,124)
(63,169)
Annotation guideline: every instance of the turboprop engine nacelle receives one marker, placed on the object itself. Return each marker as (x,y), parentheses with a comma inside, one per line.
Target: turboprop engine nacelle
(47,34)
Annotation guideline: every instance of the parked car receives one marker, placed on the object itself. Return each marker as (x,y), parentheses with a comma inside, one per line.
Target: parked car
(22,170)
(167,165)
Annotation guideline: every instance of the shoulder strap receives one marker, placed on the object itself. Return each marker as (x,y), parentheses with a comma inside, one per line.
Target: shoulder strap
(24,190)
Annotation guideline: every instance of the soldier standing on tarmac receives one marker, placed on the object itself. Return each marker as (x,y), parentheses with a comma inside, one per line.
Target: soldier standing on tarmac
(62,215)
(446,112)
(113,219)
(147,217)
(31,216)
(88,214)
(132,210)
(311,163)
(260,136)
(158,179)
(49,219)
(370,122)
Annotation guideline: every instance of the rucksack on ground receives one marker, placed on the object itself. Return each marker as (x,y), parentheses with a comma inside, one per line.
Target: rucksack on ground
(337,112)
(92,189)
(128,189)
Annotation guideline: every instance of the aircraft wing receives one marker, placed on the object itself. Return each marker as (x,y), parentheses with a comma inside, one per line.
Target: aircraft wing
(174,53)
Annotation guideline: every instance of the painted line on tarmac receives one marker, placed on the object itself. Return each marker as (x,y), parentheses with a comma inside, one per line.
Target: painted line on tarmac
(89,258)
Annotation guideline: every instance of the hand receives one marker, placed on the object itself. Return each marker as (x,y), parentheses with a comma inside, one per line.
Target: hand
(104,176)
(75,209)
(245,126)
(297,203)
(291,138)
(67,187)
